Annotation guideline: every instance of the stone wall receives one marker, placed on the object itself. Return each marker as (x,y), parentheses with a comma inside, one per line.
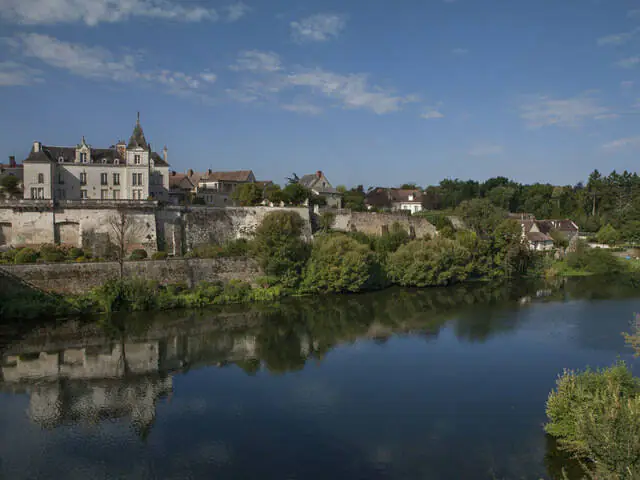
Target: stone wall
(373,223)
(81,277)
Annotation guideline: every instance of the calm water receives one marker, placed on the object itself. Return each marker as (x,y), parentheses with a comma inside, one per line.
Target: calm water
(438,384)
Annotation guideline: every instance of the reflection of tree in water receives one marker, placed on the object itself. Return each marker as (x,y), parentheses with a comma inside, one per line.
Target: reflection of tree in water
(559,464)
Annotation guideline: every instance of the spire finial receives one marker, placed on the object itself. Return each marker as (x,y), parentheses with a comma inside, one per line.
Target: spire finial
(138,121)
(83,142)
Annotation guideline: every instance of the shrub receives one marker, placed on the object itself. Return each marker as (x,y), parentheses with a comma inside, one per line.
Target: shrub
(429,263)
(339,264)
(75,253)
(9,256)
(138,254)
(390,242)
(236,248)
(159,256)
(326,221)
(594,260)
(26,255)
(133,295)
(278,246)
(53,256)
(608,235)
(266,282)
(596,416)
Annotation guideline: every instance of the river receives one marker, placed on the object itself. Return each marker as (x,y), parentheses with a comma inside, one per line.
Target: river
(400,384)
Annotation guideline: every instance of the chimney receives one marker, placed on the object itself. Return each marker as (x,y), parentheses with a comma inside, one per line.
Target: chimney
(12,161)
(36,147)
(319,173)
(164,154)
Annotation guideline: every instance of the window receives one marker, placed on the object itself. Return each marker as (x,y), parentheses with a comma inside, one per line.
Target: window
(83,194)
(104,194)
(137,179)
(104,160)
(116,179)
(60,178)
(103,179)
(83,178)
(137,194)
(83,157)
(116,194)
(37,193)
(136,159)
(41,178)
(60,159)
(116,161)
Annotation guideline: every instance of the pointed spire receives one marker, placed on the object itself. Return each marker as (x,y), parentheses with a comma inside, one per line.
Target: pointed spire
(138,121)
(137,137)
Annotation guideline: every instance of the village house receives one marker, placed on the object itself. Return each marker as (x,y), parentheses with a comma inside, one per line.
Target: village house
(320,186)
(539,232)
(394,199)
(130,171)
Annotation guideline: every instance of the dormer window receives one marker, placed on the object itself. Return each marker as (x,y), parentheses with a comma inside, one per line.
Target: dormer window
(104,160)
(60,159)
(136,159)
(83,157)
(116,161)
(40,178)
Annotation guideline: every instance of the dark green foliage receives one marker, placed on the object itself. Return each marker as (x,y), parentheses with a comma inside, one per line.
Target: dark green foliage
(138,254)
(481,215)
(10,183)
(560,240)
(594,260)
(437,219)
(248,194)
(438,262)
(596,416)
(159,255)
(132,295)
(391,241)
(354,199)
(273,193)
(278,246)
(26,255)
(339,264)
(296,194)
(75,253)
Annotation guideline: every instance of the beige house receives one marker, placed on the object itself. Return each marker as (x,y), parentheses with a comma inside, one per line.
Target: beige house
(130,171)
(538,232)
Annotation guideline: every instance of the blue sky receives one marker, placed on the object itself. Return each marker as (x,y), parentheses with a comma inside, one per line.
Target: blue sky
(377,92)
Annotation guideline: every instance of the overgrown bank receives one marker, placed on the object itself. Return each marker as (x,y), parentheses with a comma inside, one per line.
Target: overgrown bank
(494,250)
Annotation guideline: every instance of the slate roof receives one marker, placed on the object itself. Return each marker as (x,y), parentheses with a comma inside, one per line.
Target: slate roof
(312,180)
(234,176)
(561,225)
(137,137)
(402,195)
(180,180)
(382,197)
(49,153)
(536,237)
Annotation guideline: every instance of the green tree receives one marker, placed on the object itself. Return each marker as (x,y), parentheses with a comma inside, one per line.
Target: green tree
(273,193)
(10,184)
(481,215)
(326,221)
(560,240)
(438,262)
(247,194)
(608,235)
(339,264)
(296,194)
(278,245)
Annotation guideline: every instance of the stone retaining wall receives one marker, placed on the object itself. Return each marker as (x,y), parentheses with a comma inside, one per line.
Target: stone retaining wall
(81,277)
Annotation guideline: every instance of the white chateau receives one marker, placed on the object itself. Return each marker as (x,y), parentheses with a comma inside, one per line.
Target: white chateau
(129,171)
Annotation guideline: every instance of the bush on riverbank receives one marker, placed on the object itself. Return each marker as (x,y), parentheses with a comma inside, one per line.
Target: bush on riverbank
(340,264)
(438,262)
(595,415)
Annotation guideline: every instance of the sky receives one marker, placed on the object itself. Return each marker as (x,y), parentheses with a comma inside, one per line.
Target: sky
(375,92)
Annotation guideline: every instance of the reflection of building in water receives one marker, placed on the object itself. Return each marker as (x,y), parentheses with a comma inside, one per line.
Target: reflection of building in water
(68,402)
(111,380)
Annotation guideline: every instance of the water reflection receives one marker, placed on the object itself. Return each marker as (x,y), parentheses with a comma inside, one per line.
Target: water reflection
(121,367)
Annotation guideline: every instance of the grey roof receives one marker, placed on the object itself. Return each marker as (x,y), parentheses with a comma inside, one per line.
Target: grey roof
(158,161)
(308,180)
(312,180)
(98,156)
(137,137)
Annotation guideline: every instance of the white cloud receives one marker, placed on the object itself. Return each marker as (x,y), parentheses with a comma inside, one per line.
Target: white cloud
(307,108)
(318,28)
(460,51)
(14,74)
(486,150)
(629,62)
(432,113)
(257,61)
(352,91)
(237,11)
(544,111)
(209,77)
(100,64)
(618,38)
(623,143)
(92,12)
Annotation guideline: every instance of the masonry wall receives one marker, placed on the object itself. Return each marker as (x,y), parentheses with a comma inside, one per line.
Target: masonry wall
(373,223)
(81,277)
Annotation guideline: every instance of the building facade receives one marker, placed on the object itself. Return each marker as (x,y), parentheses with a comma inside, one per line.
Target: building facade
(130,171)
(320,186)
